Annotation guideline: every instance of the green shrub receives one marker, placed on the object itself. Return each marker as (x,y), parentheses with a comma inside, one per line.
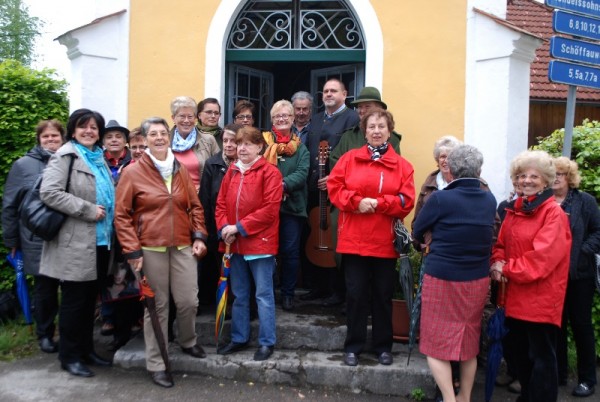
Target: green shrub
(585,150)
(26,97)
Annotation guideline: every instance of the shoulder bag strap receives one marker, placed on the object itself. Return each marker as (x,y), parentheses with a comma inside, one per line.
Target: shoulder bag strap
(70,170)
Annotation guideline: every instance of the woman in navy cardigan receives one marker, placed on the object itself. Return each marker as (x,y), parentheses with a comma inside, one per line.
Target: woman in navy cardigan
(460,219)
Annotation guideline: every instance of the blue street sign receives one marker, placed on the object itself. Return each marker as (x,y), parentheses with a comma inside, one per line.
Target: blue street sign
(587,7)
(575,50)
(576,25)
(574,74)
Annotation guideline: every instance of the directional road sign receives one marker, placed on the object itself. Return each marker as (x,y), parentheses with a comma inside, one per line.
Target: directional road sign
(574,74)
(587,7)
(575,50)
(576,25)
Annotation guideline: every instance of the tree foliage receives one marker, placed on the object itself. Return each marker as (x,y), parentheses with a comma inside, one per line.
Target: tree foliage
(585,151)
(18,31)
(26,97)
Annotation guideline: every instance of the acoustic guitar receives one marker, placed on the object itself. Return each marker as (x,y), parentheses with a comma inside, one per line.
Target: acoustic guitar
(319,245)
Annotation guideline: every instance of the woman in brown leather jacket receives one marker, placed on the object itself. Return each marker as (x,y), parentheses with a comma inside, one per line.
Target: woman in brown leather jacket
(160,224)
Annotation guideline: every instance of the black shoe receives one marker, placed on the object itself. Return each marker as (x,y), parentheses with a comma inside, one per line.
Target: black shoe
(162,378)
(583,390)
(195,351)
(47,345)
(232,347)
(263,353)
(385,358)
(77,368)
(350,359)
(313,295)
(287,303)
(332,301)
(95,360)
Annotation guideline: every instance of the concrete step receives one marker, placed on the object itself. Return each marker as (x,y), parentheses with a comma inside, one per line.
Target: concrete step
(309,352)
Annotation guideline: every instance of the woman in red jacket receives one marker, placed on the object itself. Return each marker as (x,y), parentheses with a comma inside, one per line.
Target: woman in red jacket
(371,186)
(247,217)
(532,256)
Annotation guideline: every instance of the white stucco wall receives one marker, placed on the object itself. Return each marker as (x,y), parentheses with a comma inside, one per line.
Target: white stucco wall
(497,94)
(99,55)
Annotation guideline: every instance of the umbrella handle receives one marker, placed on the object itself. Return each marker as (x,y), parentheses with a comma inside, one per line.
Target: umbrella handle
(502,293)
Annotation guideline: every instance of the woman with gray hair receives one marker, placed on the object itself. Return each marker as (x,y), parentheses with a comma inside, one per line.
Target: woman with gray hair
(455,285)
(160,225)
(439,178)
(190,146)
(532,256)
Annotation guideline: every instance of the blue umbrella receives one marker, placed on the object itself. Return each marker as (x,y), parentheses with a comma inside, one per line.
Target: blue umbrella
(415,312)
(21,284)
(495,332)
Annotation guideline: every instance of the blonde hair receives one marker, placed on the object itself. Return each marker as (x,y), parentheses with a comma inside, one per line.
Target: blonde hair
(282,104)
(539,160)
(571,168)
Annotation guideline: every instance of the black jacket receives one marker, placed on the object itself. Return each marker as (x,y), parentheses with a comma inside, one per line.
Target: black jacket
(584,219)
(19,181)
(214,171)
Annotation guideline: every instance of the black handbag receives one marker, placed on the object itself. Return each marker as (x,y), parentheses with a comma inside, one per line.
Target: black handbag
(39,218)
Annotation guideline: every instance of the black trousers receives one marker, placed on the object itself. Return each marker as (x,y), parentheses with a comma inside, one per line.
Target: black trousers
(45,301)
(578,312)
(534,347)
(76,314)
(370,285)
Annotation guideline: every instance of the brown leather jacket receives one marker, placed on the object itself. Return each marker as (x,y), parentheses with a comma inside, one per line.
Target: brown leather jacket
(147,215)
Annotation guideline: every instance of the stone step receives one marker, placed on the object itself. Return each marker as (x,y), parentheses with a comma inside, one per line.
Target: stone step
(308,352)
(301,368)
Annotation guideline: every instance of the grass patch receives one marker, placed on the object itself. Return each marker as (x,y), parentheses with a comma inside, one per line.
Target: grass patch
(17,340)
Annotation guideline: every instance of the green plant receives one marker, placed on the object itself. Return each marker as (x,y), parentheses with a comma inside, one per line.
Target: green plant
(26,97)
(16,340)
(417,394)
(584,150)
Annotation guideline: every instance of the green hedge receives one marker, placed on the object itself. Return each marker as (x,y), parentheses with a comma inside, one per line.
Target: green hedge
(586,152)
(26,97)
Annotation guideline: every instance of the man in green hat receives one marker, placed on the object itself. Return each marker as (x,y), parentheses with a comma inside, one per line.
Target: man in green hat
(368,99)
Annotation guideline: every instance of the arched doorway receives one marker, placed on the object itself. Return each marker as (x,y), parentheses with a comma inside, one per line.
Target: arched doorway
(275,48)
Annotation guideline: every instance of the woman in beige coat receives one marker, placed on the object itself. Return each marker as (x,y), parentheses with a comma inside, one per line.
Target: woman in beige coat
(78,256)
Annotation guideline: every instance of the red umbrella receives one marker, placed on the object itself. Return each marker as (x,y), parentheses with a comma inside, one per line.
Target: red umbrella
(148,298)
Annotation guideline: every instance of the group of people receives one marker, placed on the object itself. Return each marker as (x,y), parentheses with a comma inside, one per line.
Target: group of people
(172,202)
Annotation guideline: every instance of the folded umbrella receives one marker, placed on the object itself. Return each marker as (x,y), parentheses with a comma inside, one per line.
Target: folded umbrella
(496,330)
(21,285)
(222,291)
(415,312)
(148,298)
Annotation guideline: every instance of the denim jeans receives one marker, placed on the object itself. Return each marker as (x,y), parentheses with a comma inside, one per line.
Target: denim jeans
(290,231)
(261,270)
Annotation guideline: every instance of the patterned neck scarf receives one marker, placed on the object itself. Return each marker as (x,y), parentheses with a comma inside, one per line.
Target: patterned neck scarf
(377,152)
(529,204)
(276,149)
(181,144)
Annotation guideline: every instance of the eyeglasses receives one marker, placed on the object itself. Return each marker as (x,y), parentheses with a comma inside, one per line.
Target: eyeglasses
(138,148)
(185,117)
(281,117)
(530,177)
(243,117)
(559,174)
(212,113)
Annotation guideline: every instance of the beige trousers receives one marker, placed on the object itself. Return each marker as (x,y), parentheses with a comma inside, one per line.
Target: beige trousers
(175,270)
